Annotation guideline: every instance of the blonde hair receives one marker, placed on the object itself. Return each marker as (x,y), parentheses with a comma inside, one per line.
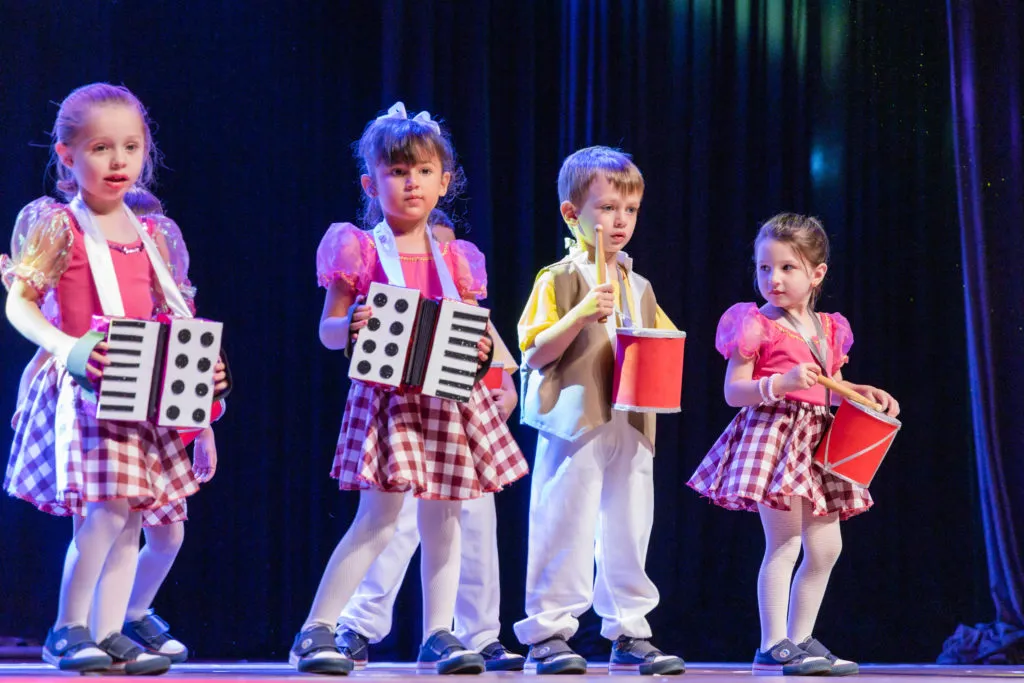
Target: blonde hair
(805,234)
(581,167)
(71,116)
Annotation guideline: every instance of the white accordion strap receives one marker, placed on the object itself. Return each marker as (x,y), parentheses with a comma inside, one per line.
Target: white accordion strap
(102,265)
(387,253)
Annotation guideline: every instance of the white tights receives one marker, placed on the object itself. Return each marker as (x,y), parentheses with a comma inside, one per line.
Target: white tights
(784,533)
(99,568)
(155,561)
(366,538)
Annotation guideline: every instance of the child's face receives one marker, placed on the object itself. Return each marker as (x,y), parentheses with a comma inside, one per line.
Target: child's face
(785,279)
(407,192)
(107,155)
(606,206)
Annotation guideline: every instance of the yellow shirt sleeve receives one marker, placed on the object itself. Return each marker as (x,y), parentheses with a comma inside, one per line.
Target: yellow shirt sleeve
(541,311)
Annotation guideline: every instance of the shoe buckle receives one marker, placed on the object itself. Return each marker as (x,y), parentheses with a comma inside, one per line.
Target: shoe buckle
(542,652)
(60,644)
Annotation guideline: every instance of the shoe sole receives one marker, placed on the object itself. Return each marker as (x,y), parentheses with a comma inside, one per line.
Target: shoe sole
(510,664)
(152,667)
(664,668)
(844,670)
(321,665)
(811,669)
(81,664)
(563,667)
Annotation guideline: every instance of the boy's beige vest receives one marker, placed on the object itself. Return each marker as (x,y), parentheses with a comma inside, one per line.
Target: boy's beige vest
(572,395)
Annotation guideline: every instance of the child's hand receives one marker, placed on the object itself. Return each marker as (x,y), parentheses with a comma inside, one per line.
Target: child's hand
(802,376)
(883,398)
(597,304)
(505,400)
(220,377)
(483,349)
(204,456)
(98,361)
(358,315)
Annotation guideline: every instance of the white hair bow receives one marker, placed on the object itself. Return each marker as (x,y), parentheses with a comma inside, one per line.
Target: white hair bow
(397,111)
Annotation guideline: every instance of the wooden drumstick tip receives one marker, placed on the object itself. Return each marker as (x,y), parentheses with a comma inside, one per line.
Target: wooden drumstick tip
(599,260)
(846,392)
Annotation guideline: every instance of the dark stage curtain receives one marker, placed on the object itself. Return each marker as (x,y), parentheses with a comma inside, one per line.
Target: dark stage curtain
(734,111)
(987,78)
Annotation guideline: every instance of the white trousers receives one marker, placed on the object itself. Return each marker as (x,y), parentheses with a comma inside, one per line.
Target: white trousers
(477,606)
(591,500)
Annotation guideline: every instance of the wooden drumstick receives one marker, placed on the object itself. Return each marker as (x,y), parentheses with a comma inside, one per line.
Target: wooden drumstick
(846,392)
(602,267)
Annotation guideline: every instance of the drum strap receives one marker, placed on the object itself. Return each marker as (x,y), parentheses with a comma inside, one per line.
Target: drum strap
(819,350)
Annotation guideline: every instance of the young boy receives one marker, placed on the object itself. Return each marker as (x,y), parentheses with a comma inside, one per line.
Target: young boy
(593,488)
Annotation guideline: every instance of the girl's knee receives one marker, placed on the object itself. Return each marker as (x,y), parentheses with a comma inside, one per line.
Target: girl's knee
(166,539)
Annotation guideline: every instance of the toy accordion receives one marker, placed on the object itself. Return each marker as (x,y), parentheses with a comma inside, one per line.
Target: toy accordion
(160,371)
(412,343)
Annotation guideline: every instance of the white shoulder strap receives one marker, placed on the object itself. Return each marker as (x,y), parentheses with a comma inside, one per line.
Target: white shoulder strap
(387,253)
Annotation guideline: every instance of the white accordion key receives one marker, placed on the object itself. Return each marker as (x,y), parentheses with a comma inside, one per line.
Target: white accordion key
(127,383)
(382,346)
(186,396)
(453,363)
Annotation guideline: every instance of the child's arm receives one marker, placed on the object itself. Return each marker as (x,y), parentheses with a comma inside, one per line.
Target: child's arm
(742,390)
(549,345)
(343,316)
(506,396)
(883,398)
(23,312)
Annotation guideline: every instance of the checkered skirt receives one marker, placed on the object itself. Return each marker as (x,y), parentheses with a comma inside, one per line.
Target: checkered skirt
(441,450)
(766,455)
(63,457)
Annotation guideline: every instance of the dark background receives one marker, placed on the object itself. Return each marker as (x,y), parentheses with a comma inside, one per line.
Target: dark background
(734,111)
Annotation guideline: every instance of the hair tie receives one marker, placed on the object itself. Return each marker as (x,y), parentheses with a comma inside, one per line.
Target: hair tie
(397,111)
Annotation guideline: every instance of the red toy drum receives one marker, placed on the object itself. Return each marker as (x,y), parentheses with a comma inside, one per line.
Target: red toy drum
(492,380)
(648,370)
(856,443)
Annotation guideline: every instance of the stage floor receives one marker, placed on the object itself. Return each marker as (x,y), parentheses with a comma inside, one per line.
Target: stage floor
(381,672)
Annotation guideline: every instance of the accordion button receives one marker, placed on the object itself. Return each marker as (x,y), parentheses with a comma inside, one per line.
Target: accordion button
(177,386)
(364,367)
(184,336)
(396,328)
(387,371)
(369,346)
(202,389)
(203,365)
(181,360)
(401,305)
(373,324)
(391,349)
(206,339)
(381,299)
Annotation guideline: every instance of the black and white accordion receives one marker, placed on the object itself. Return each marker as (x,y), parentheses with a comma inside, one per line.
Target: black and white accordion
(412,343)
(160,371)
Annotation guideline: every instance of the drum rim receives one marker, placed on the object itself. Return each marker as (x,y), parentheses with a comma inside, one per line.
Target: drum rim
(874,413)
(626,408)
(650,332)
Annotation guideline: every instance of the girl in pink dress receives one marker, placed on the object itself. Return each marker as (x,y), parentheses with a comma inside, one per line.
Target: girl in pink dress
(69,262)
(393,442)
(763,462)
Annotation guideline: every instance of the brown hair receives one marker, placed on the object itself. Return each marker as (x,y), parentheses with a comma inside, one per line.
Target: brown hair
(579,169)
(805,234)
(405,141)
(71,117)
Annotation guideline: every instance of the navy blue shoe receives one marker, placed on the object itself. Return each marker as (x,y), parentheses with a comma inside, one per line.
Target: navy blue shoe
(637,654)
(152,634)
(497,658)
(840,667)
(130,659)
(554,657)
(71,648)
(789,659)
(314,652)
(355,646)
(446,653)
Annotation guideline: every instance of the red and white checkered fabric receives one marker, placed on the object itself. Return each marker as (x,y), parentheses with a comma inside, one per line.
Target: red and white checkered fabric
(176,511)
(441,450)
(766,455)
(63,457)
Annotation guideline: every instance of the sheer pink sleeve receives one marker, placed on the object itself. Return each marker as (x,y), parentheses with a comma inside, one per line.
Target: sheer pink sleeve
(740,329)
(842,340)
(40,246)
(469,269)
(348,254)
(169,240)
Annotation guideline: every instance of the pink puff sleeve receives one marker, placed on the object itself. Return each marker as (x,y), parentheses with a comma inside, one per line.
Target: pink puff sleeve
(469,269)
(171,244)
(40,246)
(842,340)
(348,254)
(740,329)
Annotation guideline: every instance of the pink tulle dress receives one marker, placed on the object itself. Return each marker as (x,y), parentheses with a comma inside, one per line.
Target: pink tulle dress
(766,453)
(396,441)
